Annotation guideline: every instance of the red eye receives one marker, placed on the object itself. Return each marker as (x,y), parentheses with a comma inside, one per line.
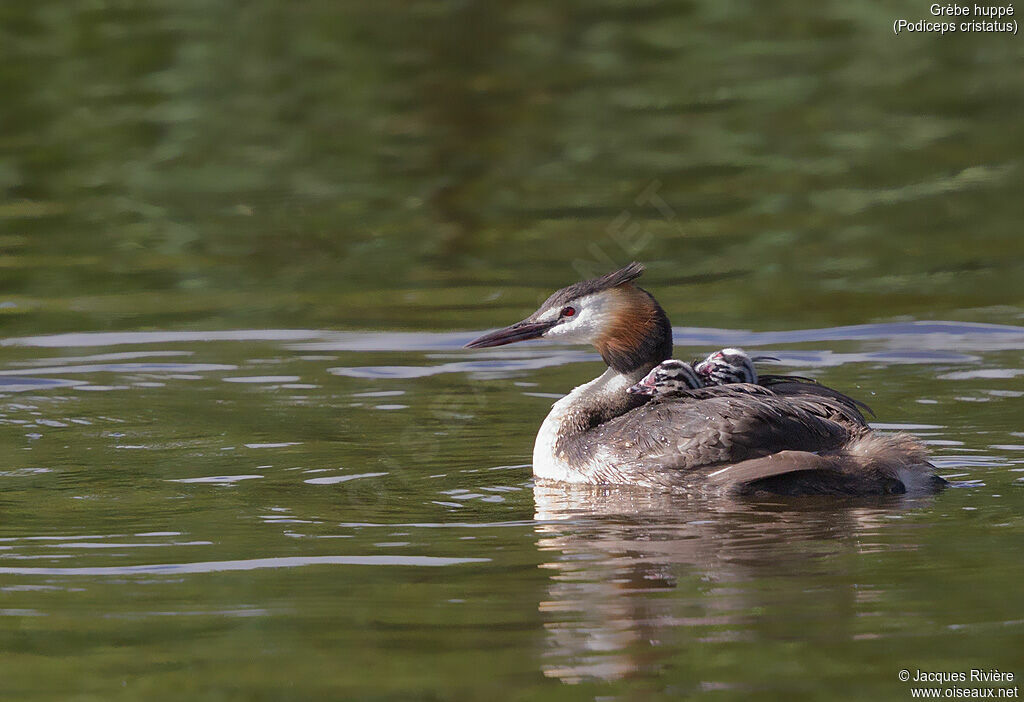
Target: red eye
(568,311)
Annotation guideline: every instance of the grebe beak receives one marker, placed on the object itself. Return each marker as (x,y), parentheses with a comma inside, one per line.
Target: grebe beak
(520,331)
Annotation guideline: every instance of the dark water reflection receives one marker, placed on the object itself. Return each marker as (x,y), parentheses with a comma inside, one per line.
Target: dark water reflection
(429,167)
(609,549)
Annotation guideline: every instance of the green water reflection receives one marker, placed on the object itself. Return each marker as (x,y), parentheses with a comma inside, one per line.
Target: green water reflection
(386,165)
(214,166)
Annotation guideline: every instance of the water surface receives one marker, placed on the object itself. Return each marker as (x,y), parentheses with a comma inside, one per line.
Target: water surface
(297,513)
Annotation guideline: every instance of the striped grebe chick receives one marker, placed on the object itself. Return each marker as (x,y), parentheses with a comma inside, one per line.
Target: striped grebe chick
(669,377)
(788,438)
(730,365)
(719,368)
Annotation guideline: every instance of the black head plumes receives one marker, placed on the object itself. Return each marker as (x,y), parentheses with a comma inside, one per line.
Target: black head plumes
(595,285)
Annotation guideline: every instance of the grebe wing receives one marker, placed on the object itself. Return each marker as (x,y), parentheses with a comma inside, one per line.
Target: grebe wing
(802,473)
(799,385)
(810,396)
(714,426)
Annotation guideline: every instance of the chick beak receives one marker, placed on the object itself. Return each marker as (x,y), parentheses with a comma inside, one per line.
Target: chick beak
(644,387)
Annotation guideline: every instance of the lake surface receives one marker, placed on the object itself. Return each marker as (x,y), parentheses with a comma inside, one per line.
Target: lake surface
(294,514)
(241,247)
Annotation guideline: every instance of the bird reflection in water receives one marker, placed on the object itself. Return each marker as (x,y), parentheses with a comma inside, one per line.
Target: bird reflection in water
(627,592)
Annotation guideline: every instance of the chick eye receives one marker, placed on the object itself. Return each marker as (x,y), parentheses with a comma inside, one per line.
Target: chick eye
(568,311)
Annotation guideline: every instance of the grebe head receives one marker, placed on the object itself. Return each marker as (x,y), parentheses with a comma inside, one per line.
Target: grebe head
(729,366)
(668,378)
(623,322)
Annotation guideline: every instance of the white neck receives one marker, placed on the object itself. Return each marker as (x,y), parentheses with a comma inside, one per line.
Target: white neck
(571,416)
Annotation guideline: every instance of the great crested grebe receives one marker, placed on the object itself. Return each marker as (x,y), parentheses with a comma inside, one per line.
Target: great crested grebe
(792,438)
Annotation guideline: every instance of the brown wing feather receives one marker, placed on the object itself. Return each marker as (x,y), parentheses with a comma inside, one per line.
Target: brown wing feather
(799,385)
(818,399)
(688,433)
(802,473)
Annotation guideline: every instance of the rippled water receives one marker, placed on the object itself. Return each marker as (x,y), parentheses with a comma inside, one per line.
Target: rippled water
(282,513)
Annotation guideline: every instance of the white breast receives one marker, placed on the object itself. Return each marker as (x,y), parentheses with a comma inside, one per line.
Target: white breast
(547,463)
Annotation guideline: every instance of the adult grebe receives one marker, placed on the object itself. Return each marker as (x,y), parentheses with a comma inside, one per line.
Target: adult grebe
(737,438)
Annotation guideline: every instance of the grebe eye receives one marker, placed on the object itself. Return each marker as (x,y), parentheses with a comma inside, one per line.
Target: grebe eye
(568,311)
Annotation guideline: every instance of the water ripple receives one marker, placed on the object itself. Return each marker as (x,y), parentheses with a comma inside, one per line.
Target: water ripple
(341,478)
(930,335)
(248,564)
(23,384)
(217,479)
(75,340)
(126,368)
